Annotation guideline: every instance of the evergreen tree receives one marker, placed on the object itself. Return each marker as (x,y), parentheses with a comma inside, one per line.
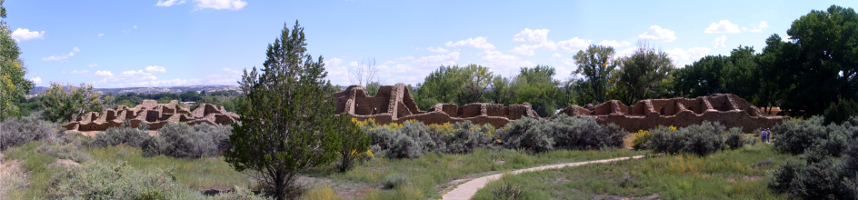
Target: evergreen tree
(287,118)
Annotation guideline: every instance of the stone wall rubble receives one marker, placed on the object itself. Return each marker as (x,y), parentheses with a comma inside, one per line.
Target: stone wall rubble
(394,104)
(728,109)
(153,114)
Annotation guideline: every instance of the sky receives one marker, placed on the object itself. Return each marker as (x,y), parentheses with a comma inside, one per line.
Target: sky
(149,43)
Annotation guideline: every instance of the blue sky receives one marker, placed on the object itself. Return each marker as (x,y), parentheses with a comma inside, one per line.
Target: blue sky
(143,43)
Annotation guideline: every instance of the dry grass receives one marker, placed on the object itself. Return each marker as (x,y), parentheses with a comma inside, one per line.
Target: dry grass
(12,177)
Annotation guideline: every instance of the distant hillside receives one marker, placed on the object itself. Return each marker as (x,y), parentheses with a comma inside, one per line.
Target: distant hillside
(152,90)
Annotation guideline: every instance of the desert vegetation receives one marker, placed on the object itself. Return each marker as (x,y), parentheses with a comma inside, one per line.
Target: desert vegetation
(290,145)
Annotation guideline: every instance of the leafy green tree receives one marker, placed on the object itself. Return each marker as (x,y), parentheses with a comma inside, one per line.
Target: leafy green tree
(536,86)
(773,81)
(440,86)
(372,88)
(66,103)
(476,79)
(355,143)
(595,64)
(701,78)
(821,61)
(641,72)
(287,117)
(13,85)
(500,92)
(742,77)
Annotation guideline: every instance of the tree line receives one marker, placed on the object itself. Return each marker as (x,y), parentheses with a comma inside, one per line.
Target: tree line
(812,72)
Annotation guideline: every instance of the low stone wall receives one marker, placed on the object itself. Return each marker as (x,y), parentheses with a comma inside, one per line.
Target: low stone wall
(394,104)
(727,109)
(152,114)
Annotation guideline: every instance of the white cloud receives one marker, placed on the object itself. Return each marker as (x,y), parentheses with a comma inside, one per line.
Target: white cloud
(93,65)
(529,49)
(135,27)
(719,41)
(103,73)
(574,44)
(759,27)
(100,34)
(155,69)
(683,57)
(220,4)
(614,43)
(37,80)
(62,57)
(79,72)
(657,34)
(723,26)
(329,62)
(626,52)
(500,63)
(556,55)
(438,50)
(353,63)
(478,42)
(533,36)
(169,3)
(25,34)
(438,60)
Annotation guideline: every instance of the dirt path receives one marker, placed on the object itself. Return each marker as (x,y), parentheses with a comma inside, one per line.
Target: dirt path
(468,189)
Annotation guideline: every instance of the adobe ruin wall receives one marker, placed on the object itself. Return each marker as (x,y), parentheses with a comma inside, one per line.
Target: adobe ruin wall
(394,104)
(152,114)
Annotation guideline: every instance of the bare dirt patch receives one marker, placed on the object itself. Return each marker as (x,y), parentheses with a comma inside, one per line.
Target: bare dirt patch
(65,163)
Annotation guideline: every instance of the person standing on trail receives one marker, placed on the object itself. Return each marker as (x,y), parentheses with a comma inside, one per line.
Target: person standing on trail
(763,135)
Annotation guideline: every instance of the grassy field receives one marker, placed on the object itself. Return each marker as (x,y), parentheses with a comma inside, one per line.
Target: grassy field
(430,174)
(731,174)
(204,173)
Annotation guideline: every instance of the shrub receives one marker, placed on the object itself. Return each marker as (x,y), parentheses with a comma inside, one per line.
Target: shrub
(794,136)
(820,176)
(395,180)
(840,112)
(117,181)
(354,143)
(583,133)
(185,141)
(120,135)
(528,134)
(64,151)
(19,131)
(700,139)
(506,191)
(640,138)
(465,137)
(735,138)
(407,140)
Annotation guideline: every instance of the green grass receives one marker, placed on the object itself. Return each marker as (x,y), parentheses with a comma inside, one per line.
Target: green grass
(429,174)
(195,173)
(39,174)
(726,175)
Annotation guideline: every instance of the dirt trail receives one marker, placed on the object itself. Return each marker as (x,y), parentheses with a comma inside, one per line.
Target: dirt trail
(468,189)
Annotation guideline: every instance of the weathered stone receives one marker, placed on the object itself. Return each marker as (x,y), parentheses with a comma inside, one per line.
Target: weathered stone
(153,114)
(394,104)
(727,109)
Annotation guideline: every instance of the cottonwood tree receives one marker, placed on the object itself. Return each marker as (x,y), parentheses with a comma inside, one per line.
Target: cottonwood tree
(287,117)
(819,64)
(13,85)
(595,64)
(64,103)
(366,75)
(641,73)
